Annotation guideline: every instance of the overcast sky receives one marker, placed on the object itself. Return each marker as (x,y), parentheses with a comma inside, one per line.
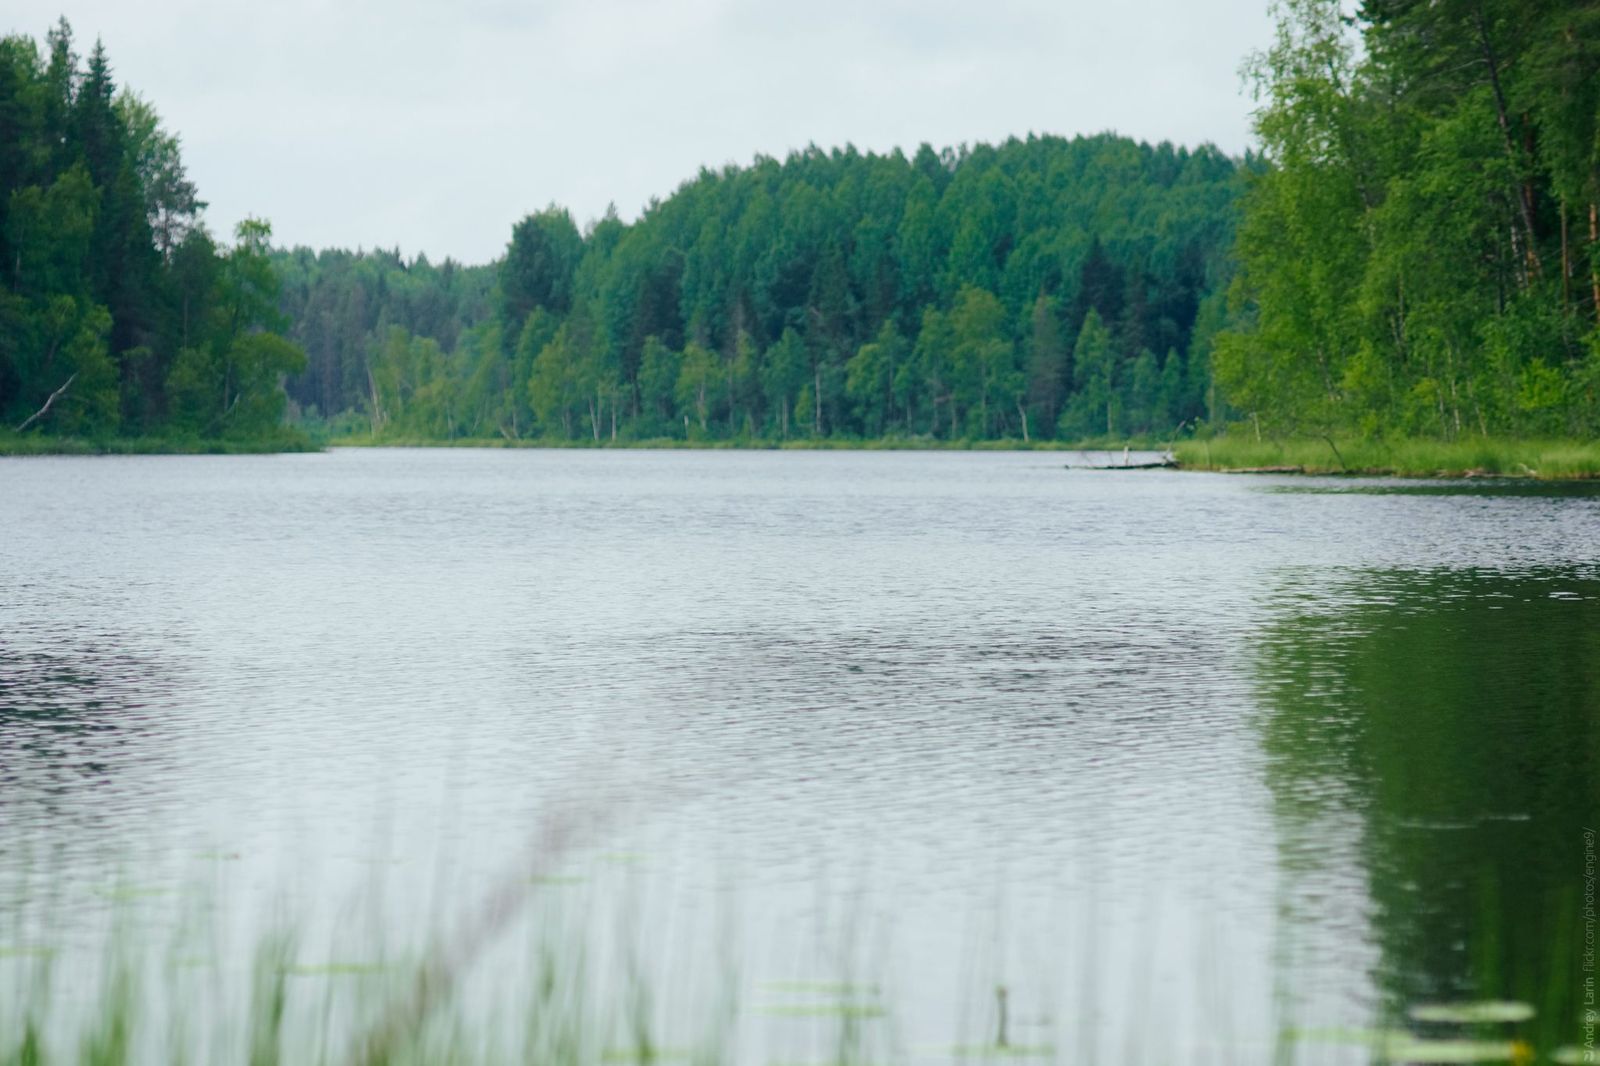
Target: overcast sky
(435,124)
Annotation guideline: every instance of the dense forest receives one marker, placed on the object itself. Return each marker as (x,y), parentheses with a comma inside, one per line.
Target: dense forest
(119,313)
(1421,254)
(1043,288)
(1415,252)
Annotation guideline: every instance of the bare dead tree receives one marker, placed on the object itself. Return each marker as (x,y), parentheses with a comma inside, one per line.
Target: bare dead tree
(54,396)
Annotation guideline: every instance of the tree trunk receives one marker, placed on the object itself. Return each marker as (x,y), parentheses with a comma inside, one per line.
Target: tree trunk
(1524,203)
(1566,262)
(377,405)
(1594,267)
(816,392)
(49,403)
(888,399)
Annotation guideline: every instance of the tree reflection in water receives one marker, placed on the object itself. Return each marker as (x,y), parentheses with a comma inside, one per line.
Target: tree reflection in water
(1452,717)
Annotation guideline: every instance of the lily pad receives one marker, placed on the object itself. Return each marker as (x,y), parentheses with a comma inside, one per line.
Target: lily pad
(1453,1051)
(555,880)
(22,952)
(823,1010)
(335,969)
(819,988)
(647,1055)
(1003,1051)
(1399,1046)
(1473,1013)
(125,893)
(1358,1037)
(624,858)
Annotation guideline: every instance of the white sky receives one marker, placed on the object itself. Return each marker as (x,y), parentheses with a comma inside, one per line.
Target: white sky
(435,124)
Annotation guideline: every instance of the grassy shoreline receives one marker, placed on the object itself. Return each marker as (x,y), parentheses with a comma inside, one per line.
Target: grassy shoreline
(1547,460)
(40,445)
(1403,457)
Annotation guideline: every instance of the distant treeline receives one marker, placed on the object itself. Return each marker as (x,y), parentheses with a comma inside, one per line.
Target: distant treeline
(1040,289)
(119,314)
(1417,253)
(1421,254)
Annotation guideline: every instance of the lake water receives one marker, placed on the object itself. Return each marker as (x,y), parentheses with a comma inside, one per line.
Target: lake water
(833,742)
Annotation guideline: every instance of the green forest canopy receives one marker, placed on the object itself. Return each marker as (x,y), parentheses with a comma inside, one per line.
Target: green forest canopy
(1421,253)
(1043,287)
(119,314)
(1416,251)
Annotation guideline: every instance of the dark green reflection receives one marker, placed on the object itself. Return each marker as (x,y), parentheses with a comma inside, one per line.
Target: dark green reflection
(1448,722)
(1511,487)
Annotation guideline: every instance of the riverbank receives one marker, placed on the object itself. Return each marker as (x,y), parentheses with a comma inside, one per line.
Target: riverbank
(12,444)
(1542,459)
(1539,459)
(886,444)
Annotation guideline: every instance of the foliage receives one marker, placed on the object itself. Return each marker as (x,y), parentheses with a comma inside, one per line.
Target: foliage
(830,296)
(1421,253)
(118,313)
(341,307)
(1471,455)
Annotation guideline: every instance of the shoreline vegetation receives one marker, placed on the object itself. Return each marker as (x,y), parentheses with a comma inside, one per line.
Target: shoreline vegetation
(1541,460)
(1039,292)
(19,445)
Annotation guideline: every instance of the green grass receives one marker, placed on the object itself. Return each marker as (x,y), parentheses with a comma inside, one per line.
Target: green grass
(1404,457)
(574,1001)
(287,440)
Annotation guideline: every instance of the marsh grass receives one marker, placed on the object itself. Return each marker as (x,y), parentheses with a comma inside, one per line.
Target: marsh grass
(1404,457)
(34,444)
(554,969)
(570,1005)
(288,1010)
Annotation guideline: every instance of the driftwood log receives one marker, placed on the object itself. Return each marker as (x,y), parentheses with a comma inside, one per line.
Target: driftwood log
(1161,464)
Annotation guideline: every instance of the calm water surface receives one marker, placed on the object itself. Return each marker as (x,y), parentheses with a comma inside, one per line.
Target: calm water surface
(1180,760)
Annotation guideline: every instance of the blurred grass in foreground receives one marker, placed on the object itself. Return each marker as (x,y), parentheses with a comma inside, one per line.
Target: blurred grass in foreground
(549,995)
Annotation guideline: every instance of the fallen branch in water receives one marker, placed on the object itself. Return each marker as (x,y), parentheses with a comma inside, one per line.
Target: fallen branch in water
(1160,464)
